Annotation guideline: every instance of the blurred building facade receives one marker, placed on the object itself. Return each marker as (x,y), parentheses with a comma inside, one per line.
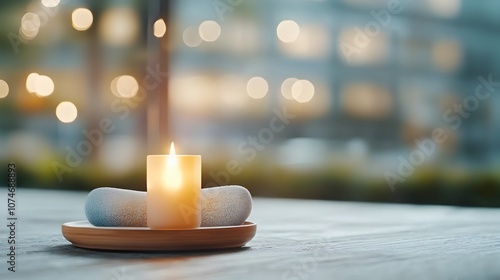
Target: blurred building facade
(344,89)
(380,74)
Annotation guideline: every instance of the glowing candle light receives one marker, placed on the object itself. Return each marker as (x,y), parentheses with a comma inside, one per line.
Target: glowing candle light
(173,191)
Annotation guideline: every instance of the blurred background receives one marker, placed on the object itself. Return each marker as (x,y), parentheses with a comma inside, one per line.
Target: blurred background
(365,100)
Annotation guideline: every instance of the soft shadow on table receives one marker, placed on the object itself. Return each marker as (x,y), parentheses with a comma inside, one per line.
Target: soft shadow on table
(72,251)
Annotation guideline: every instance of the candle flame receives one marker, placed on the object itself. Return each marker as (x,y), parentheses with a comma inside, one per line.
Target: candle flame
(172,159)
(173,173)
(172,149)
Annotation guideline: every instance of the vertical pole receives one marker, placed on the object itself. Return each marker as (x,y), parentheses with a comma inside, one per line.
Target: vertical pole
(164,52)
(93,75)
(157,100)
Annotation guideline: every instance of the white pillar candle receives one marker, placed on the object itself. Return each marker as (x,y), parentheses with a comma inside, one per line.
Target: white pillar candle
(173,191)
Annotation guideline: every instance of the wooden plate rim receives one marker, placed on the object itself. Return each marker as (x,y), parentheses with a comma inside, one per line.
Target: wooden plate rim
(79,233)
(84,224)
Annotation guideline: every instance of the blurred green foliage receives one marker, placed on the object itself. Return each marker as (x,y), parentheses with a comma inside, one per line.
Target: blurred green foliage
(427,185)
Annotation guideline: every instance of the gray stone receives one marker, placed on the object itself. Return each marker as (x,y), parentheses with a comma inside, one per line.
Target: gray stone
(113,207)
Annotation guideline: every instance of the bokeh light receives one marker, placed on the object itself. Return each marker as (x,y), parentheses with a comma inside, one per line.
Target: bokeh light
(44,86)
(50,3)
(30,22)
(159,28)
(66,112)
(30,82)
(302,91)
(4,89)
(30,26)
(209,31)
(190,37)
(82,19)
(288,31)
(257,87)
(126,86)
(119,26)
(286,88)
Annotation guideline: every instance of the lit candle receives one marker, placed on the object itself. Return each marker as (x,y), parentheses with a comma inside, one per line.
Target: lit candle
(174,186)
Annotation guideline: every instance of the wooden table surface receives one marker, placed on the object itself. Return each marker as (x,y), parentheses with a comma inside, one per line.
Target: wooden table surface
(296,239)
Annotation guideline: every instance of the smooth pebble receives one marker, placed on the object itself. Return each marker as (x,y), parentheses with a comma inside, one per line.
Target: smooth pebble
(113,207)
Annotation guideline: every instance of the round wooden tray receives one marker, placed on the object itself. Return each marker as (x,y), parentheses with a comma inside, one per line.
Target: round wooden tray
(83,234)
